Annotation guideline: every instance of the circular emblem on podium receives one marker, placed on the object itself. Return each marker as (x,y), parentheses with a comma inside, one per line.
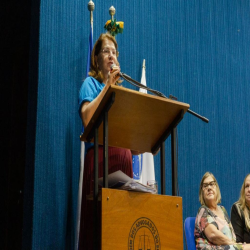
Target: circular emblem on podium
(144,235)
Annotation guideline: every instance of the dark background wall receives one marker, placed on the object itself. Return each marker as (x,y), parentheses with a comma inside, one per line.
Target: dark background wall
(196,50)
(15,40)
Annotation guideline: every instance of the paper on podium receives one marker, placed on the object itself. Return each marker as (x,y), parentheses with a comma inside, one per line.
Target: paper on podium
(119,180)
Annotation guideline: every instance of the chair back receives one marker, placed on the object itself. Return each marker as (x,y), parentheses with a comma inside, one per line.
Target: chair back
(189,233)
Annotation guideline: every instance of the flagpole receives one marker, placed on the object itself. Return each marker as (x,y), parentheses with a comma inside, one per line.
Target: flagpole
(91,7)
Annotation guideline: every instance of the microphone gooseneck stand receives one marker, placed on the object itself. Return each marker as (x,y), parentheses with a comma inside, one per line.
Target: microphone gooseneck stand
(158,93)
(161,143)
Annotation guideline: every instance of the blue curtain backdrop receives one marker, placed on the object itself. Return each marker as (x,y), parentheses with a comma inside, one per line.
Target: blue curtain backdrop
(198,51)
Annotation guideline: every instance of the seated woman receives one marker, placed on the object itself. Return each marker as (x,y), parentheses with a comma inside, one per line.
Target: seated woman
(213,229)
(240,213)
(104,54)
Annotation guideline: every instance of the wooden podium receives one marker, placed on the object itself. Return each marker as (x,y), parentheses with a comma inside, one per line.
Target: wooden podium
(129,119)
(134,221)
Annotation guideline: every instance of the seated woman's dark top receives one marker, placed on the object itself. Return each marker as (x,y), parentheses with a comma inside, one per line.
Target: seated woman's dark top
(239,225)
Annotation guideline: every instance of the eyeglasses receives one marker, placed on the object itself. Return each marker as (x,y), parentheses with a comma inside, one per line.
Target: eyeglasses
(206,185)
(107,51)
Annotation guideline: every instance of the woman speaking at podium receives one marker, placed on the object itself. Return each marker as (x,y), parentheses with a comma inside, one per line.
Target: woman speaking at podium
(104,54)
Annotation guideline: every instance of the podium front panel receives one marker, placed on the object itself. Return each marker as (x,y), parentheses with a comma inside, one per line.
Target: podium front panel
(135,220)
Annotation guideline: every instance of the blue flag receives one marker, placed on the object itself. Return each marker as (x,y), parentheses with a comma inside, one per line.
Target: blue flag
(89,54)
(90,50)
(137,167)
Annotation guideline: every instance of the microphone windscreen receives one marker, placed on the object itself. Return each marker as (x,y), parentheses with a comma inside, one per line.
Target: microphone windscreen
(112,66)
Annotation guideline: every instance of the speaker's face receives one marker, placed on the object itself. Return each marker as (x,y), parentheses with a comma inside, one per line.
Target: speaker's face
(106,57)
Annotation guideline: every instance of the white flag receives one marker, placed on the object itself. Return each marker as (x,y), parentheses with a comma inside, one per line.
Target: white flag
(148,169)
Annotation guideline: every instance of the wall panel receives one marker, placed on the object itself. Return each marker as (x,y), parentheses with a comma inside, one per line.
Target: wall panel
(196,50)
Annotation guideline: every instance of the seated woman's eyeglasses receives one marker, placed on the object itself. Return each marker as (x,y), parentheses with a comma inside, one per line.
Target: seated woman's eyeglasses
(206,185)
(107,51)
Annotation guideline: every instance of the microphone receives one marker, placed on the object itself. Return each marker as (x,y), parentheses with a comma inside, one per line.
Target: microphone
(112,66)
(111,69)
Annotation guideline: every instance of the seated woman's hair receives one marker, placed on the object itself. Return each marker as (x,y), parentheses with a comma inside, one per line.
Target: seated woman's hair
(241,204)
(201,198)
(94,69)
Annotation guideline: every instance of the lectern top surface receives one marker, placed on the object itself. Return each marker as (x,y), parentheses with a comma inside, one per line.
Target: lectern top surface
(136,120)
